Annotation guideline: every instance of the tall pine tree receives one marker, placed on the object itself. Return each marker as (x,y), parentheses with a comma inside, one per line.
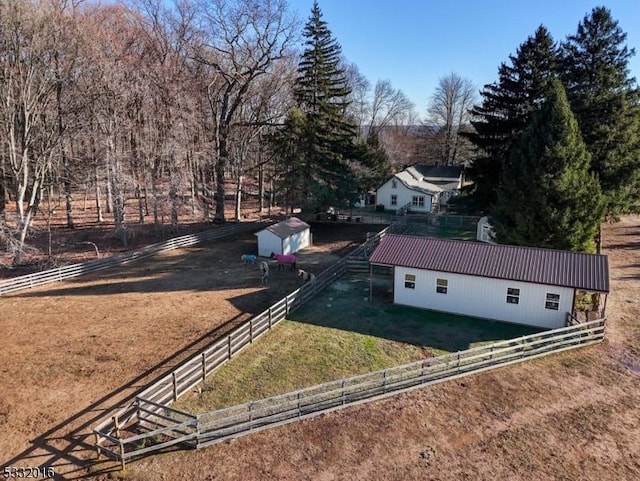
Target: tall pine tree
(547,195)
(605,101)
(507,106)
(321,92)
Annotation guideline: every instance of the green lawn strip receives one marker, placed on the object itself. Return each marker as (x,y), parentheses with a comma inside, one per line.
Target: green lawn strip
(340,334)
(293,356)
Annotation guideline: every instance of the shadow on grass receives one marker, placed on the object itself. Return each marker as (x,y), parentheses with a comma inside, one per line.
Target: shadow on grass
(344,305)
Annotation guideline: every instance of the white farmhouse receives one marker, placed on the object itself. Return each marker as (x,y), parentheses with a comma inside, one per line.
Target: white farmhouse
(522,285)
(286,237)
(408,187)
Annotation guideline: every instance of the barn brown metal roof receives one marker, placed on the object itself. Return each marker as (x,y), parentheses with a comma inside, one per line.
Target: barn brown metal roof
(526,264)
(288,227)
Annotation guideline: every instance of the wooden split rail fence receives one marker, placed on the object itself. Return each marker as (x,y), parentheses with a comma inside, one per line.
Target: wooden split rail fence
(74,270)
(167,426)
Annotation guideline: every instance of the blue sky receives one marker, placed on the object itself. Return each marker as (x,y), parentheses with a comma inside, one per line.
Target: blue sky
(415,42)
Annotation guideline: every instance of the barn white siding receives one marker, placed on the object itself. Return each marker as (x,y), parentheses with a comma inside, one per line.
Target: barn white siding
(268,242)
(483,297)
(296,242)
(403,194)
(286,237)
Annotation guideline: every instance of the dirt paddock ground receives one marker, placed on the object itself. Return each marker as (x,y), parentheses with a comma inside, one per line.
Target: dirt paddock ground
(74,349)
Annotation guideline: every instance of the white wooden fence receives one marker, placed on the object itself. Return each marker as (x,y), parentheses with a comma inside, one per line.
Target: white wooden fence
(167,426)
(74,270)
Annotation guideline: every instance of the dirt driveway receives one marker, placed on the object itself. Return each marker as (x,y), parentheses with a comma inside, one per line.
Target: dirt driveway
(73,350)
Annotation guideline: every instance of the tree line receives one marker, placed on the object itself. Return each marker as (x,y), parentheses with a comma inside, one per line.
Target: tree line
(160,108)
(558,138)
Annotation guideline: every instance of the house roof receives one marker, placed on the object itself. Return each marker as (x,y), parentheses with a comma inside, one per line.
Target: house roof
(526,264)
(439,171)
(413,181)
(287,228)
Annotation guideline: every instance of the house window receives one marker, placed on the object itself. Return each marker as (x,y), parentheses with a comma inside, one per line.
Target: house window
(552,302)
(441,286)
(513,296)
(394,184)
(417,201)
(394,199)
(409,281)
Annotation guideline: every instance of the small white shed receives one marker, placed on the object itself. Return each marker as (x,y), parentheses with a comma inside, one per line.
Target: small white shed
(484,231)
(286,237)
(522,285)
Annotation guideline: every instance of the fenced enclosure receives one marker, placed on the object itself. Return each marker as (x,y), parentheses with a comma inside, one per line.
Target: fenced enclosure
(195,370)
(149,424)
(442,226)
(75,270)
(169,426)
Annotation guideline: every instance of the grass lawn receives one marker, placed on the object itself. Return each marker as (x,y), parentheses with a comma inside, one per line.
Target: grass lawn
(340,334)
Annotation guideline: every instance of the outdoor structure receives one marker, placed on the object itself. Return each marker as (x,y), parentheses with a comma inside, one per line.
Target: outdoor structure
(286,237)
(537,287)
(485,231)
(408,187)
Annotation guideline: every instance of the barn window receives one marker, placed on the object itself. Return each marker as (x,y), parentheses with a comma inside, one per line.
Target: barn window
(394,199)
(417,201)
(442,285)
(394,184)
(513,296)
(553,301)
(409,281)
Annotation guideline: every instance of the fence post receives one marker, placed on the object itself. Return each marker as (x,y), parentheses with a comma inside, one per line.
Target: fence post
(98,451)
(269,317)
(251,330)
(299,412)
(286,305)
(116,426)
(229,346)
(122,455)
(175,386)
(204,366)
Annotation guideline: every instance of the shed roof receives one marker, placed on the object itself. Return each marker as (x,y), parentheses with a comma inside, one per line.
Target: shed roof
(526,264)
(439,171)
(287,228)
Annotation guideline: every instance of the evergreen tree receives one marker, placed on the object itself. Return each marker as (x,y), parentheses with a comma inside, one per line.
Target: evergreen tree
(322,92)
(547,195)
(605,101)
(507,106)
(289,151)
(374,167)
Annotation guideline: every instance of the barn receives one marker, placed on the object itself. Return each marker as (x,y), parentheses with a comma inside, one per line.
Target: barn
(286,237)
(537,287)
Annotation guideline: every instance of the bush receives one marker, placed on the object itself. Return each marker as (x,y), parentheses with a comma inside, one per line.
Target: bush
(380,208)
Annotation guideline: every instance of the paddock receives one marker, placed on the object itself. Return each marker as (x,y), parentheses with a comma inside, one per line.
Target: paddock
(75,348)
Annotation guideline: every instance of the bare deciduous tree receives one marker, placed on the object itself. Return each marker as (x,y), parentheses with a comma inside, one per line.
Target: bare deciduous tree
(28,85)
(449,110)
(388,105)
(241,40)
